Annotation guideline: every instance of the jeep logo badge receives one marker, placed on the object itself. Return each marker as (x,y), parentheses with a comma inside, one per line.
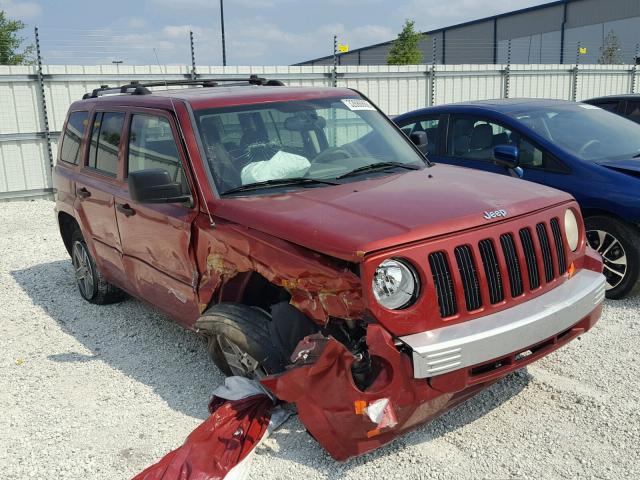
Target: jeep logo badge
(495,214)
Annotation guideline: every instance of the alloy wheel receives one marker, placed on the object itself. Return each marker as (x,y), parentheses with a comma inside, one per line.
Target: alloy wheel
(613,255)
(83,270)
(240,362)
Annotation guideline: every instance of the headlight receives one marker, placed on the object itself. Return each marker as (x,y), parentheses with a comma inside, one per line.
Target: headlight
(395,284)
(571,229)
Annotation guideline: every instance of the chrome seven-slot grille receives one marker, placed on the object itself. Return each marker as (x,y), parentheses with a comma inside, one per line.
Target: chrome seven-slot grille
(536,245)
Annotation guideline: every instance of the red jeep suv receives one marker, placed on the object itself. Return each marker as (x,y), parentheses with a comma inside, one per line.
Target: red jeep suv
(318,249)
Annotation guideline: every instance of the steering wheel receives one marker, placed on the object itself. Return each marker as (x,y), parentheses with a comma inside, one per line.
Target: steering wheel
(334,153)
(588,145)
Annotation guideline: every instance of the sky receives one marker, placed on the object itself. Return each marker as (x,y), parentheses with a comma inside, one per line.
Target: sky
(258,32)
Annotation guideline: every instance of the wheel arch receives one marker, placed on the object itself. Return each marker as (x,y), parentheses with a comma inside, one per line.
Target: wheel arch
(67,225)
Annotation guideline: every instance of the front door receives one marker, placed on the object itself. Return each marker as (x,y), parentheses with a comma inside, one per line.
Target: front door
(156,238)
(471,140)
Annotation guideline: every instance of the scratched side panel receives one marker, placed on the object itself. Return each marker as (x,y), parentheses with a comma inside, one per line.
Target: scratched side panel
(176,299)
(318,287)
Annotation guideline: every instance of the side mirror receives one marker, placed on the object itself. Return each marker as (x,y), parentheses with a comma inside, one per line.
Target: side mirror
(419,139)
(154,185)
(508,156)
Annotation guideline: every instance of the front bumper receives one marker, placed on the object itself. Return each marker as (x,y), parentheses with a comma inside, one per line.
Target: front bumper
(477,341)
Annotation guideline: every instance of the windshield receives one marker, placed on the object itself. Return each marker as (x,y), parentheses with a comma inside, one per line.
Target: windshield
(586,131)
(264,145)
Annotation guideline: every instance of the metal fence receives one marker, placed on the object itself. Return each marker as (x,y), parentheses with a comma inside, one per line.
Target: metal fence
(33,102)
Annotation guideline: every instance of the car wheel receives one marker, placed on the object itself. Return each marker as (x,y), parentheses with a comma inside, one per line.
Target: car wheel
(91,284)
(618,243)
(239,341)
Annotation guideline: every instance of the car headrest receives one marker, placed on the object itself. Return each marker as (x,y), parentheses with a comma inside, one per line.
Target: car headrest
(462,127)
(209,128)
(481,137)
(501,139)
(304,121)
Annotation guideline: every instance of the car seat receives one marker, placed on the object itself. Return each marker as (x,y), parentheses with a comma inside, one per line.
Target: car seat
(218,159)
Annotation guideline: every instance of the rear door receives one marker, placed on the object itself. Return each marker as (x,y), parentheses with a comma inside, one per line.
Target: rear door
(98,182)
(156,238)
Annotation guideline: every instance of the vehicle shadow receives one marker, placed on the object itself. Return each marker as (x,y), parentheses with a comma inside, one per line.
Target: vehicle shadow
(129,336)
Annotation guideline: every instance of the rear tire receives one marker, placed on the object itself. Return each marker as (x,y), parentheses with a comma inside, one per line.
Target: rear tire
(619,245)
(240,342)
(91,284)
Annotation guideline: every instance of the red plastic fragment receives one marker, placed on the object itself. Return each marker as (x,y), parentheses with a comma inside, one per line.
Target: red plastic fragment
(218,445)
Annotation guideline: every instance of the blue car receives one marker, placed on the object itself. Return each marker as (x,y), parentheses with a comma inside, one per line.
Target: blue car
(579,148)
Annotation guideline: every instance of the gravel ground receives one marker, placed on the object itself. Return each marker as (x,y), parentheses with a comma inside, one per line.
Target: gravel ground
(90,392)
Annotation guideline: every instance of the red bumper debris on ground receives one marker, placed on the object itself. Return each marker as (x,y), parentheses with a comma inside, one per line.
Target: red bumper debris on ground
(221,447)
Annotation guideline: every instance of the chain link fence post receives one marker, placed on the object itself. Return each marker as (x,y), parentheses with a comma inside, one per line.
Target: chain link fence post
(194,74)
(43,105)
(634,69)
(334,72)
(507,71)
(576,72)
(432,86)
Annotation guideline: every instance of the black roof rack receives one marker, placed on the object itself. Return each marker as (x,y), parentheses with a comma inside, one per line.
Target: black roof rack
(138,88)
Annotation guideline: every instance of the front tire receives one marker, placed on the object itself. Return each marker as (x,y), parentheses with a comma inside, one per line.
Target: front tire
(91,284)
(619,245)
(240,342)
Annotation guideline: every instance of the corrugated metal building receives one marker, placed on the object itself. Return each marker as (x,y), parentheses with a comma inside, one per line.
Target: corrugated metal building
(548,33)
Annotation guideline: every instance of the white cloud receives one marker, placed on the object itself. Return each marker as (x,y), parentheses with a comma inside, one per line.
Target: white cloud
(20,10)
(136,23)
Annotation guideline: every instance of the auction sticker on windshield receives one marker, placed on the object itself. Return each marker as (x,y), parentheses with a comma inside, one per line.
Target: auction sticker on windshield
(357,104)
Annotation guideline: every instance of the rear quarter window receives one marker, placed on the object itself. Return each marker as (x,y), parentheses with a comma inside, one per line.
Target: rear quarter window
(72,138)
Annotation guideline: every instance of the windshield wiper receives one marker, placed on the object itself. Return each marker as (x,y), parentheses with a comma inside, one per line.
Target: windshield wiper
(278,182)
(379,166)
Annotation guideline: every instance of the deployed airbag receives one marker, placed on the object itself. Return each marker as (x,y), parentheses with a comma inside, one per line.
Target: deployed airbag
(281,165)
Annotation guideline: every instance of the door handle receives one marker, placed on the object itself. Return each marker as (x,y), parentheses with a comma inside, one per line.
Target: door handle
(84,193)
(125,209)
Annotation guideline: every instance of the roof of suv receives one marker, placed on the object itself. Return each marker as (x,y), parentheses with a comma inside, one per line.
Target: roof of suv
(222,96)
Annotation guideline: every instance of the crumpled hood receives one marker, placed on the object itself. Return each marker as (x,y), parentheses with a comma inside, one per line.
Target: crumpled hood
(626,165)
(350,220)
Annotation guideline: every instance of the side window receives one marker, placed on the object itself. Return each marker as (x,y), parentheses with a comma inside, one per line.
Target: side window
(608,106)
(633,111)
(152,145)
(430,127)
(105,142)
(475,138)
(530,156)
(76,126)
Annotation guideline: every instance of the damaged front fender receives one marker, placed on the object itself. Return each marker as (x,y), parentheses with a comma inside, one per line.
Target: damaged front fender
(318,287)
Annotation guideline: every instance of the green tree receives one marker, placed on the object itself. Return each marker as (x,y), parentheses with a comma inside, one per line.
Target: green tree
(406,49)
(610,50)
(10,43)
